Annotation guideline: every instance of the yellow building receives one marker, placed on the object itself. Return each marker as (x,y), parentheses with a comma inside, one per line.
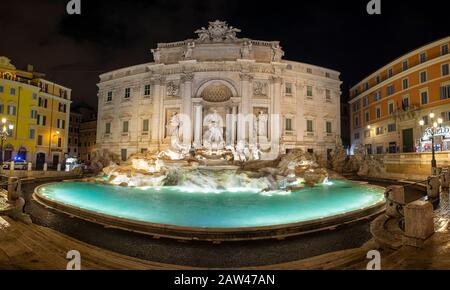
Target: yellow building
(39,111)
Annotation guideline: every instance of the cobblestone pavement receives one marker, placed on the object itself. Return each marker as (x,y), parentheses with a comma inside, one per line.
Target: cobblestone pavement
(442,214)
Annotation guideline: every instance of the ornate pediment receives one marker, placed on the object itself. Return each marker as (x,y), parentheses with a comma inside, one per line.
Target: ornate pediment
(217,31)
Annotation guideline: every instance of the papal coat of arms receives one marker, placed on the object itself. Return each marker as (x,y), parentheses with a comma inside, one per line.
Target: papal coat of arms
(217,31)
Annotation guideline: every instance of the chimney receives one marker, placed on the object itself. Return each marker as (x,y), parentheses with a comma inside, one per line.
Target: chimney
(30,68)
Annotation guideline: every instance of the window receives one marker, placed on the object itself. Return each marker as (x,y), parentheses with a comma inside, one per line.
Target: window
(405,65)
(61,124)
(405,103)
(391,108)
(123,154)
(1,89)
(357,136)
(445,92)
(365,101)
(2,108)
(40,140)
(327,75)
(12,91)
(309,70)
(328,95)
(125,127)
(425,120)
(109,97)
(147,90)
(33,114)
(34,96)
(145,125)
(356,121)
(356,106)
(41,120)
(444,49)
(127,93)
(380,150)
(390,73)
(423,77)
(309,91)
(424,97)
(366,86)
(12,110)
(405,84)
(309,126)
(392,128)
(367,116)
(59,142)
(445,69)
(379,130)
(288,88)
(378,112)
(378,79)
(445,116)
(377,96)
(108,128)
(423,57)
(390,90)
(329,127)
(32,133)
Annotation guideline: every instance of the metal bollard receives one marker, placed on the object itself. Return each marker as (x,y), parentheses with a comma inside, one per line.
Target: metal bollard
(58,167)
(45,167)
(30,166)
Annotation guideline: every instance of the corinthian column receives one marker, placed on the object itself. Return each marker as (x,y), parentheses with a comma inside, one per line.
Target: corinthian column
(198,125)
(276,117)
(157,100)
(187,80)
(245,104)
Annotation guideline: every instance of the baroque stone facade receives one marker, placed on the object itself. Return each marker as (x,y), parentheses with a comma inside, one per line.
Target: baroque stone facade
(258,97)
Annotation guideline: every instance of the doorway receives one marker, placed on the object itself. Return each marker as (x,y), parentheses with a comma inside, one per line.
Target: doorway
(408,140)
(40,160)
(55,160)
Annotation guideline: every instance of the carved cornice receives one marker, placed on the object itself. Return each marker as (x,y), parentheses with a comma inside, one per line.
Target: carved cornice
(187,77)
(277,79)
(246,77)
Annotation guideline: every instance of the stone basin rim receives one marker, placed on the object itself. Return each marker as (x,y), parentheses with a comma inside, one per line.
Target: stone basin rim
(158,230)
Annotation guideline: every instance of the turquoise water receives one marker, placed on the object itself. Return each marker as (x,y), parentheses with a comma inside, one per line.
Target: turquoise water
(222,209)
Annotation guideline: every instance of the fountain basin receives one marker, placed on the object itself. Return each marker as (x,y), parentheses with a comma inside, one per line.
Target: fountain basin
(215,215)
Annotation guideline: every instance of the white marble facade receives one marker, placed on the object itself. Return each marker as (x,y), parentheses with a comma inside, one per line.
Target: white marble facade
(259,96)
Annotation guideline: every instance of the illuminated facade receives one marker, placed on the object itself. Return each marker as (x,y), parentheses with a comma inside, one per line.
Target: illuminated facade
(220,74)
(386,107)
(39,110)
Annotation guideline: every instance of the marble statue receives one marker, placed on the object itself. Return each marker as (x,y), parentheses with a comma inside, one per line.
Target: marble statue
(217,31)
(261,122)
(214,135)
(189,49)
(245,51)
(156,55)
(278,53)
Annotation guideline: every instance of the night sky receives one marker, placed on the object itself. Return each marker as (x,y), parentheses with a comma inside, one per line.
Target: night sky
(74,50)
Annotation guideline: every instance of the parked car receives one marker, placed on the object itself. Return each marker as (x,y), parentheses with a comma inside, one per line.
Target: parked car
(18,165)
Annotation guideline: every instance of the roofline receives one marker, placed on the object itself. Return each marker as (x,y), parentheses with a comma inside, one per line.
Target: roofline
(406,55)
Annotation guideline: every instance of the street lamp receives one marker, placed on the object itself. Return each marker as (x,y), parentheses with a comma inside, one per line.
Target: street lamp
(436,124)
(4,136)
